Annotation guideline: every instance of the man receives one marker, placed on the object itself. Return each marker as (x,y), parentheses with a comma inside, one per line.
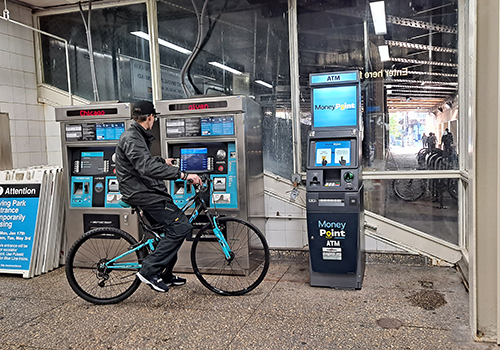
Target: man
(424,140)
(431,140)
(141,182)
(447,141)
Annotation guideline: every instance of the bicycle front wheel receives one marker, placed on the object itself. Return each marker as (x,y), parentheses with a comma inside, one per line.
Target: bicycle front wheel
(87,273)
(240,274)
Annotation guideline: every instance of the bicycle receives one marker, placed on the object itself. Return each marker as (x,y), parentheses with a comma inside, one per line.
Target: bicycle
(229,256)
(431,159)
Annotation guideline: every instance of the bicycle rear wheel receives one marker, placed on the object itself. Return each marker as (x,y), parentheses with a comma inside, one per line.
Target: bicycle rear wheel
(86,273)
(409,189)
(238,275)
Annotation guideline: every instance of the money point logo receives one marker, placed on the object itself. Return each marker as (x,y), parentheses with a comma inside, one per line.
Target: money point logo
(338,106)
(1,190)
(332,229)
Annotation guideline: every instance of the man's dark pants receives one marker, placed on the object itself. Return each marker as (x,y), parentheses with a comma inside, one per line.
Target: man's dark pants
(177,227)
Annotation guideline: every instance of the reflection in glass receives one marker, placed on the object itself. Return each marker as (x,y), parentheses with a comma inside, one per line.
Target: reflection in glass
(407,56)
(428,205)
(243,50)
(121,59)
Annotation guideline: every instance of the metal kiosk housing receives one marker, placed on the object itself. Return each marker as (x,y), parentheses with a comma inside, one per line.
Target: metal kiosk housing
(89,135)
(224,135)
(333,182)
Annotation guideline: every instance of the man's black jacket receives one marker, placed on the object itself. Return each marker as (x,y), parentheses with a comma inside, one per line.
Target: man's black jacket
(140,175)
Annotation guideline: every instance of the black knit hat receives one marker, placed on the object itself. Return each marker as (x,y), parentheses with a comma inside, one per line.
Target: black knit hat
(144,108)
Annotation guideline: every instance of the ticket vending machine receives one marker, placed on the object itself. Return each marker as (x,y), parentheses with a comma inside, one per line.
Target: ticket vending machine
(89,136)
(221,136)
(333,182)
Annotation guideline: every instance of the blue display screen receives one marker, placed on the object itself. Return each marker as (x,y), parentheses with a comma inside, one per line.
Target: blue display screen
(335,106)
(194,159)
(217,126)
(109,131)
(91,163)
(332,153)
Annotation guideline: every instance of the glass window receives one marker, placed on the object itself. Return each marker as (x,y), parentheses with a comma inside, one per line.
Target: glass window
(428,205)
(243,49)
(121,58)
(406,53)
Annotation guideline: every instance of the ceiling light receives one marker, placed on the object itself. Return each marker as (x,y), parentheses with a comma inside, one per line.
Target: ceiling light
(263,83)
(163,43)
(378,15)
(383,51)
(229,69)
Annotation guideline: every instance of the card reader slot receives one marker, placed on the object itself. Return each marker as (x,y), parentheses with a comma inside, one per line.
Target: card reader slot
(331,202)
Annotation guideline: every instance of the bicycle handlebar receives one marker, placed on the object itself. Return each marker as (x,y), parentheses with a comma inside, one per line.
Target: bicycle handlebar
(205,179)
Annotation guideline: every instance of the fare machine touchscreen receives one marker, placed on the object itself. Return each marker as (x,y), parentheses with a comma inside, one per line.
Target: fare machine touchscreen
(89,136)
(333,182)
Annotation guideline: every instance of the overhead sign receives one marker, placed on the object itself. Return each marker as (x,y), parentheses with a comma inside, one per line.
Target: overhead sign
(91,112)
(196,106)
(332,78)
(18,217)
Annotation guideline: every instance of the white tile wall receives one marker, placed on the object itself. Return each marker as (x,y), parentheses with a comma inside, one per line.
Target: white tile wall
(18,90)
(53,136)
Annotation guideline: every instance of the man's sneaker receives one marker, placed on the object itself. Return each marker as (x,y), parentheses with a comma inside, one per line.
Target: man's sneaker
(155,283)
(176,281)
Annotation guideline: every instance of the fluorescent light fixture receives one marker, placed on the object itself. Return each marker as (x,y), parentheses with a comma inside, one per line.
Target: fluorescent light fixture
(383,51)
(163,43)
(378,15)
(229,69)
(263,83)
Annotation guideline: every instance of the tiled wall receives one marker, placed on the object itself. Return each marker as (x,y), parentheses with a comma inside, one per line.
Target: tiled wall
(18,90)
(53,136)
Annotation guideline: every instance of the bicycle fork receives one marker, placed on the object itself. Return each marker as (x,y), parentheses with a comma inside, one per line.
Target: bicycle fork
(222,241)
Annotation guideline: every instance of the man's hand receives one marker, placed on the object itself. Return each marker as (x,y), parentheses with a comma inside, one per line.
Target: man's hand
(194,179)
(169,161)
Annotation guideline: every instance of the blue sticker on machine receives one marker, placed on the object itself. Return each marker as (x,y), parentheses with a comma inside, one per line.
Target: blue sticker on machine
(18,216)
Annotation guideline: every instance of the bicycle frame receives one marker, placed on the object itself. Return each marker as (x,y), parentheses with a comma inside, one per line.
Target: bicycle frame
(200,205)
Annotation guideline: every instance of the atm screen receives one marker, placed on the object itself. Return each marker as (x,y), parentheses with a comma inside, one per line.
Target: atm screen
(335,106)
(194,159)
(91,163)
(333,153)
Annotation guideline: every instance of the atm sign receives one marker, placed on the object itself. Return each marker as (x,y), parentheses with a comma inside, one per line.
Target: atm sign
(91,112)
(329,78)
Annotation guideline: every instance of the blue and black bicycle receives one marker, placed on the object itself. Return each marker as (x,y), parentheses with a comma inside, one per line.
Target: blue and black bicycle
(229,256)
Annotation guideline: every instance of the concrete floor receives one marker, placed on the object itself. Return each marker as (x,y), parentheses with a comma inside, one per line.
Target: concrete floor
(283,313)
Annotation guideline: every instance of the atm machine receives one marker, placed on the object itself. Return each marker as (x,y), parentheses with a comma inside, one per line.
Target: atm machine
(221,136)
(89,135)
(334,186)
